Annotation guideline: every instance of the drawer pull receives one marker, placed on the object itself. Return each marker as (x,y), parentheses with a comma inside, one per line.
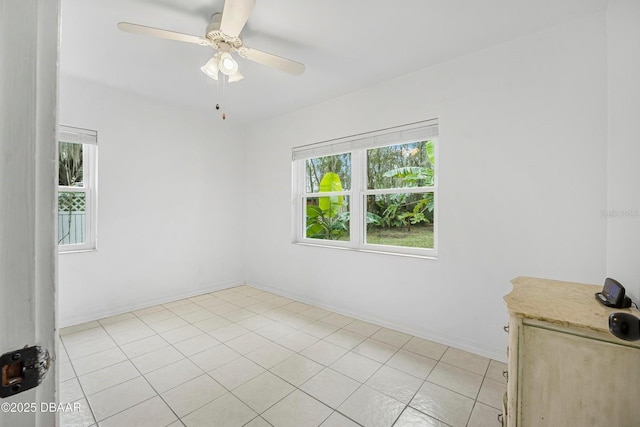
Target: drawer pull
(505,374)
(500,419)
(506,328)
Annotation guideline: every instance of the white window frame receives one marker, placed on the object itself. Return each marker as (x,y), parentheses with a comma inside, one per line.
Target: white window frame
(89,140)
(358,145)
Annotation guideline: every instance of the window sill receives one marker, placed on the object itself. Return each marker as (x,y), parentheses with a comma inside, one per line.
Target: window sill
(77,251)
(431,256)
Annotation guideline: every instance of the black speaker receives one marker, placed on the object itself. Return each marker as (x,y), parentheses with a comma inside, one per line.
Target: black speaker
(625,326)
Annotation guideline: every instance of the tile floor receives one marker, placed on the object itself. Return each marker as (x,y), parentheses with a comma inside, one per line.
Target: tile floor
(246,357)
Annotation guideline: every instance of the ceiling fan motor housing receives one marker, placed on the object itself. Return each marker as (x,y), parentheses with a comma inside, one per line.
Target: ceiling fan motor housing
(218,39)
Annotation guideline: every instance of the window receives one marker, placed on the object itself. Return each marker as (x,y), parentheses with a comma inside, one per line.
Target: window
(371,192)
(77,161)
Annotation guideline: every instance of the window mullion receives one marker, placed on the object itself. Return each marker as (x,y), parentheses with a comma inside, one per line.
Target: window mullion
(358,179)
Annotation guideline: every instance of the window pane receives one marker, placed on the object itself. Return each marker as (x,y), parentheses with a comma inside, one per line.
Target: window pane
(402,165)
(400,219)
(330,173)
(70,168)
(327,218)
(71,218)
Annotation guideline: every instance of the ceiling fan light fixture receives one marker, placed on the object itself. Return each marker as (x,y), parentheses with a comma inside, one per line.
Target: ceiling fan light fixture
(227,65)
(236,77)
(211,68)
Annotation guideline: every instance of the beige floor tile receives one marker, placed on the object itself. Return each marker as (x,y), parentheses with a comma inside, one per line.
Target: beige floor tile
(362,328)
(371,408)
(99,360)
(395,383)
(258,422)
(117,318)
(430,349)
(315,313)
(70,391)
(236,372)
(286,344)
(180,334)
(225,411)
(87,348)
(269,355)
(228,332)
(296,321)
(338,320)
(110,376)
(157,316)
(193,394)
(443,404)
(151,413)
(330,387)
(336,419)
(123,396)
(198,315)
(412,418)
(297,410)
(275,330)
(492,392)
(261,307)
(465,360)
(456,379)
(297,307)
(297,369)
(157,359)
(144,346)
(168,324)
(324,352)
(497,371)
(148,310)
(256,322)
(215,357)
(128,331)
(319,329)
(185,308)
(297,341)
(345,339)
(80,418)
(354,366)
(82,335)
(212,323)
(375,350)
(196,344)
(483,416)
(391,337)
(173,375)
(247,342)
(80,327)
(65,371)
(238,315)
(412,363)
(263,391)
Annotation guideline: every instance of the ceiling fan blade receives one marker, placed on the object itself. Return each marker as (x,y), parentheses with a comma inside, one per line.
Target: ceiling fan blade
(282,64)
(234,15)
(165,34)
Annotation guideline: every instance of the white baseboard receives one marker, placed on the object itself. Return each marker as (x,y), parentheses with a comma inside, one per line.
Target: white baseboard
(472,347)
(114,311)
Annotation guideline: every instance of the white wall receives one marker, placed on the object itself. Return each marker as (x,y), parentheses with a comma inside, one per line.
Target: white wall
(623,174)
(522,182)
(169,207)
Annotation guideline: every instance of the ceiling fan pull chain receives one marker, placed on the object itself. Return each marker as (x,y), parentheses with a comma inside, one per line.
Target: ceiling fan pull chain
(224,92)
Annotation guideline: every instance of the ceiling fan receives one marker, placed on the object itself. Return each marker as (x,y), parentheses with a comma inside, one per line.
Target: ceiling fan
(223,34)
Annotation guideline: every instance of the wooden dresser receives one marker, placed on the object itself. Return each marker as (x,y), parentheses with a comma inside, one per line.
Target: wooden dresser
(564,366)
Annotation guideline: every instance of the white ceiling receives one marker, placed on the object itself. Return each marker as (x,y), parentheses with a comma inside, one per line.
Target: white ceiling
(345,44)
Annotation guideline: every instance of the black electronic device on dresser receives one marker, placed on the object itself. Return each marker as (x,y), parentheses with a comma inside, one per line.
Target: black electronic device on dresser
(613,295)
(625,326)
